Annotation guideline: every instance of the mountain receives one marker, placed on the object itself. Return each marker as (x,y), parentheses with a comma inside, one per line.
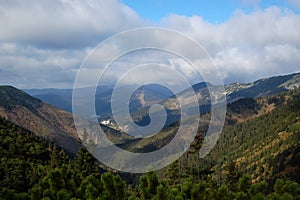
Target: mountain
(31,168)
(260,88)
(235,91)
(45,120)
(146,96)
(264,141)
(257,155)
(263,87)
(62,98)
(261,137)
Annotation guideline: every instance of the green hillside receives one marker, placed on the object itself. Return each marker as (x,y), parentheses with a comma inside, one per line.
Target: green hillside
(262,140)
(31,168)
(267,146)
(256,157)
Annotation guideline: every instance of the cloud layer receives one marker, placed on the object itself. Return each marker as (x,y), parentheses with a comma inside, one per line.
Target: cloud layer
(63,23)
(43,43)
(248,46)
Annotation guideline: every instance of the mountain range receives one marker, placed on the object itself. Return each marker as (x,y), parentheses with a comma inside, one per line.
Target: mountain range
(62,98)
(233,92)
(260,136)
(57,125)
(146,96)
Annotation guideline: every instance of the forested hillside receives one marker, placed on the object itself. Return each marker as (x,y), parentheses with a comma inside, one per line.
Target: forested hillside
(255,158)
(33,169)
(261,138)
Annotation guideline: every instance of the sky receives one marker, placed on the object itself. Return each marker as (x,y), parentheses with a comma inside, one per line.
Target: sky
(43,43)
(216,11)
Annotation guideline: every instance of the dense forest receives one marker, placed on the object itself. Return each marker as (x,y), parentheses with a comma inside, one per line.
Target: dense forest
(254,159)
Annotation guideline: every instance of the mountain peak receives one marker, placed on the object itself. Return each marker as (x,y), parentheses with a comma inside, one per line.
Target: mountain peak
(11,97)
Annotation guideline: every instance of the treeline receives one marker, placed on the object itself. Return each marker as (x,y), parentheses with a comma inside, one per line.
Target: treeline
(266,148)
(31,168)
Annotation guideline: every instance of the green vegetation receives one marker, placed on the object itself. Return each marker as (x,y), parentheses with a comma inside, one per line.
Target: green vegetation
(33,169)
(255,158)
(243,106)
(264,144)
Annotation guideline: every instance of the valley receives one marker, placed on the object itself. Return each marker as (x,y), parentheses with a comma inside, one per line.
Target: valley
(257,154)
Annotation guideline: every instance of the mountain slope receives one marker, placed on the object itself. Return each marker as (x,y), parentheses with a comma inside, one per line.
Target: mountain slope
(263,87)
(261,137)
(62,98)
(46,120)
(268,146)
(264,141)
(42,119)
(142,97)
(260,88)
(31,168)
(148,95)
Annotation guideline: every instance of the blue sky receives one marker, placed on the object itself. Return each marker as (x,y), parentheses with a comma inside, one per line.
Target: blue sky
(216,11)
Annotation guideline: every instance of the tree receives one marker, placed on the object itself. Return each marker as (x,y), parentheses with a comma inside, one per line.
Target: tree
(292,188)
(233,175)
(198,191)
(259,196)
(278,186)
(119,186)
(261,187)
(244,183)
(173,174)
(175,194)
(152,182)
(84,162)
(223,193)
(160,192)
(143,188)
(63,195)
(108,185)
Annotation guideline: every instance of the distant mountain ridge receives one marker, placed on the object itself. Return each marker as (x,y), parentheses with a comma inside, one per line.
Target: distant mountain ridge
(62,98)
(235,91)
(146,96)
(263,87)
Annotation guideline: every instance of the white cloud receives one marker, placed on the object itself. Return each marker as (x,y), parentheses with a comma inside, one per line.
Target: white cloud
(61,23)
(42,43)
(31,67)
(248,46)
(295,3)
